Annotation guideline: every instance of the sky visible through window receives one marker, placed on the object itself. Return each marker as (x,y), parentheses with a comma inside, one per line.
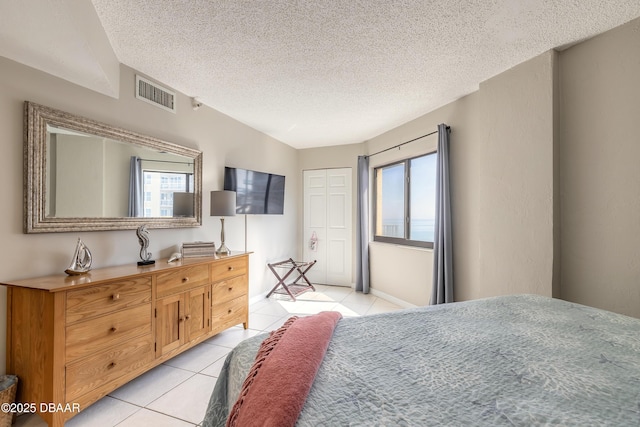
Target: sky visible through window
(422,199)
(393,201)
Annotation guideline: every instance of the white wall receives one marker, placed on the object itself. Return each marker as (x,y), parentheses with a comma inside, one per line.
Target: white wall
(222,140)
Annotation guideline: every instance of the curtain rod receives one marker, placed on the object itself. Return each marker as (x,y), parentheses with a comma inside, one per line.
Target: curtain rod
(163,161)
(406,142)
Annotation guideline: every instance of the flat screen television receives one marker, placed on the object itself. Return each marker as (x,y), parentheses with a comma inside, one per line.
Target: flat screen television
(257,193)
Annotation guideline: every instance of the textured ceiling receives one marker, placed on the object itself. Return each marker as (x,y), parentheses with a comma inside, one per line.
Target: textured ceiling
(313,73)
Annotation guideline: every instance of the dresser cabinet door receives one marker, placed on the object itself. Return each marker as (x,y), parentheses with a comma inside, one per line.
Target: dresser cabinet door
(198,318)
(170,321)
(182,318)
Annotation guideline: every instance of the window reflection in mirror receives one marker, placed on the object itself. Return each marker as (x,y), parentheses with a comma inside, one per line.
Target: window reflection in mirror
(162,193)
(91,177)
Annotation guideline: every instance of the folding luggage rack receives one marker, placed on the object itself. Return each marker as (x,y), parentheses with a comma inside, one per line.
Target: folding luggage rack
(294,288)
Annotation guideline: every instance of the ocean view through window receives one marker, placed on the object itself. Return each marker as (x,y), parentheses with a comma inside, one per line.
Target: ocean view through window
(405,201)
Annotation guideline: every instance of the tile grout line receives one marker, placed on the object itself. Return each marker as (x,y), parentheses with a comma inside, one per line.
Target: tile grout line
(151,410)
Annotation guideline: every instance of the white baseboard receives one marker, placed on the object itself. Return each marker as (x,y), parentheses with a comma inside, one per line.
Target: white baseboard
(396,301)
(258,298)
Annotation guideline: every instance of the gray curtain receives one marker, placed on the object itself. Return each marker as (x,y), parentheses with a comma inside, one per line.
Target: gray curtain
(135,188)
(362,227)
(442,291)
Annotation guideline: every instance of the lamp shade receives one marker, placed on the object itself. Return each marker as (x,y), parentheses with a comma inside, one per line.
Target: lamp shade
(223,203)
(182,204)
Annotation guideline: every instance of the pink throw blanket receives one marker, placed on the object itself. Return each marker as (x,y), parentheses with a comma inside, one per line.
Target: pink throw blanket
(279,381)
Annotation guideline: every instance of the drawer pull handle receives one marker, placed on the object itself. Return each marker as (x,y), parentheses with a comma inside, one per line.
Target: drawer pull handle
(230,288)
(229,311)
(111,365)
(230,267)
(185,279)
(113,329)
(115,297)
(188,317)
(181,318)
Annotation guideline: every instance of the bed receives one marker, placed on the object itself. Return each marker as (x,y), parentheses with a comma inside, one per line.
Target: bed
(512,360)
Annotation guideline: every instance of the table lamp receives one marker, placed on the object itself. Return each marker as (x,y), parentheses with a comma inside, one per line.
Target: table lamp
(223,203)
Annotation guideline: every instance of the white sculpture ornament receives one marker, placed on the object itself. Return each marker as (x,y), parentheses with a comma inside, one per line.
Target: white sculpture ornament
(143,238)
(81,261)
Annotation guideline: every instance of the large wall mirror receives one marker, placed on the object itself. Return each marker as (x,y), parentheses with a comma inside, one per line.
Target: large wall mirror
(83,175)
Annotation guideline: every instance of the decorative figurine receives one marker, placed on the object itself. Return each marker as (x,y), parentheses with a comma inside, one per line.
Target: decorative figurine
(143,238)
(81,261)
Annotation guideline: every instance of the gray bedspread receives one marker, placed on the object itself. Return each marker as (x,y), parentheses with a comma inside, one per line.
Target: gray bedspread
(514,360)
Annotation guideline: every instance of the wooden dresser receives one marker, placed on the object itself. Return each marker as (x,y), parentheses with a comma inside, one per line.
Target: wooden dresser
(73,339)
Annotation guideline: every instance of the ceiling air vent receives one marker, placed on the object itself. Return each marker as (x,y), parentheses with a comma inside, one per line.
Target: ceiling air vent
(155,94)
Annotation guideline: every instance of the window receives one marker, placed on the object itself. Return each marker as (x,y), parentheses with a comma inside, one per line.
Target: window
(405,200)
(159,187)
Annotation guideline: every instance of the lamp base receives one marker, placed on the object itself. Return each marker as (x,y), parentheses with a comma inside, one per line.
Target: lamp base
(223,250)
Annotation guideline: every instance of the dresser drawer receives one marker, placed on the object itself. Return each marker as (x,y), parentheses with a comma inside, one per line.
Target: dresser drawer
(98,300)
(229,289)
(183,279)
(228,268)
(101,368)
(229,313)
(91,336)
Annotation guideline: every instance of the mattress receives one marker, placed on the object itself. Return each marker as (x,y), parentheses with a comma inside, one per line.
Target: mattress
(511,360)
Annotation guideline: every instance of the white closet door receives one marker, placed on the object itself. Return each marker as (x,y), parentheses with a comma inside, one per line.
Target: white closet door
(315,223)
(327,213)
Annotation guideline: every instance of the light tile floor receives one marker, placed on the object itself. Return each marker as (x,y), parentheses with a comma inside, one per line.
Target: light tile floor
(176,393)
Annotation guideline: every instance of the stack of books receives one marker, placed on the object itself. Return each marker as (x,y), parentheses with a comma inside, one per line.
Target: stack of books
(198,249)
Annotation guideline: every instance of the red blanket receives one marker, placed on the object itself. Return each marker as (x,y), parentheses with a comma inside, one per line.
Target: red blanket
(277,385)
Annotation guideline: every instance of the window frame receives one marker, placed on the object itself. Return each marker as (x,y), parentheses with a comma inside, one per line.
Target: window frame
(407,204)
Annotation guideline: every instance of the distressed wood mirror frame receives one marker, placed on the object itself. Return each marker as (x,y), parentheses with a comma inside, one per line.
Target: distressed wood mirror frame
(36,119)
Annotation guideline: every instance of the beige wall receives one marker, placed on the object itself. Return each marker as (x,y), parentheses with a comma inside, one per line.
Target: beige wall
(502,174)
(404,272)
(600,171)
(339,156)
(545,181)
(77,160)
(222,140)
(515,180)
(502,145)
